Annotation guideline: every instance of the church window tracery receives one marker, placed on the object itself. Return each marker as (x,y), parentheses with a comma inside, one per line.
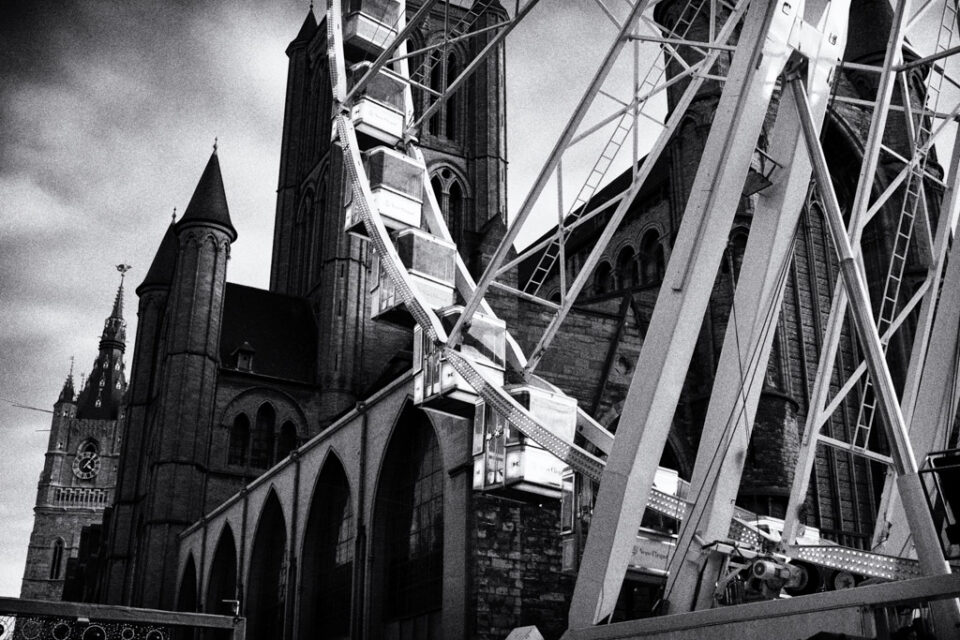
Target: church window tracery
(261,441)
(651,258)
(451,198)
(627,268)
(56,559)
(239,438)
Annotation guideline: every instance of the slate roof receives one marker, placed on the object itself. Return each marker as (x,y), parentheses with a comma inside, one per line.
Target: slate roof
(280,328)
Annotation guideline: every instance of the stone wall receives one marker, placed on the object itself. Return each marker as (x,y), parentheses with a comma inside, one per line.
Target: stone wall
(516,578)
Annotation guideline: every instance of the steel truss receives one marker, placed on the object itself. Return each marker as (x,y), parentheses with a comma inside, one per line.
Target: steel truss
(771,43)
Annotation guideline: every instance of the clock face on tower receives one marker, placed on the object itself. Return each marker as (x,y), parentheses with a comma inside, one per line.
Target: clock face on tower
(86,465)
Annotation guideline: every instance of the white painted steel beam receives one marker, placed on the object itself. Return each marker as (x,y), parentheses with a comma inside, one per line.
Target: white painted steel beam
(806,457)
(506,245)
(930,399)
(932,562)
(750,330)
(585,275)
(652,398)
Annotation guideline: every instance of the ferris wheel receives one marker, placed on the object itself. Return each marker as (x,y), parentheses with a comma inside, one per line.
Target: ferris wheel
(467,362)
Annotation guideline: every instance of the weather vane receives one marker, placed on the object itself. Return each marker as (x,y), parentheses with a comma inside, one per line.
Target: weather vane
(123,268)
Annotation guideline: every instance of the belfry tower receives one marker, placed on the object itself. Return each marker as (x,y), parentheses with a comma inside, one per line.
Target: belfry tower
(80,471)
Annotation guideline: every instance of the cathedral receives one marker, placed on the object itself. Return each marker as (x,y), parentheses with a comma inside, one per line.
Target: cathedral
(277,461)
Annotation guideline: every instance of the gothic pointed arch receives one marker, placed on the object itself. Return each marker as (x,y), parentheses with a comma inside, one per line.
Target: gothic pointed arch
(651,258)
(222,582)
(239,440)
(304,225)
(261,439)
(56,558)
(408,530)
(267,577)
(327,557)
(451,119)
(187,593)
(627,268)
(453,191)
(603,278)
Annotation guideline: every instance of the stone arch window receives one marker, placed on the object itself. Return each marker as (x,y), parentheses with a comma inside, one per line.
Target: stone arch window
(56,559)
(437,84)
(303,235)
(603,278)
(287,441)
(627,268)
(318,221)
(409,522)
(451,196)
(651,258)
(327,557)
(267,581)
(239,440)
(261,441)
(222,583)
(187,595)
(449,109)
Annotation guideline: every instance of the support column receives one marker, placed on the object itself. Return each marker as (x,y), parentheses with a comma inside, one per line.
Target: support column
(652,399)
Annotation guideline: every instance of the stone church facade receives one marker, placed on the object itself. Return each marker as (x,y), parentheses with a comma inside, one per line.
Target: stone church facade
(274,462)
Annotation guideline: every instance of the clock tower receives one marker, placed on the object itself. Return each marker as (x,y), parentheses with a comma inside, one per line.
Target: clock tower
(80,470)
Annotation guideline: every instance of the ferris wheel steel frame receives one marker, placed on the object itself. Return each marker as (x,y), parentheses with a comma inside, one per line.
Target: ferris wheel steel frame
(774,38)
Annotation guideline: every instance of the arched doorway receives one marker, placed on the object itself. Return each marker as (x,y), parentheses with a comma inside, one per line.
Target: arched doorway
(222,584)
(327,557)
(409,531)
(267,579)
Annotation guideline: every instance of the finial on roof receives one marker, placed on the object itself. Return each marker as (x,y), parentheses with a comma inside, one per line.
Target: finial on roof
(123,268)
(215,145)
(67,393)
(311,5)
(174,217)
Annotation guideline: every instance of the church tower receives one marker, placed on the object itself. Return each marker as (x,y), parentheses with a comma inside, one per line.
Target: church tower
(464,144)
(80,471)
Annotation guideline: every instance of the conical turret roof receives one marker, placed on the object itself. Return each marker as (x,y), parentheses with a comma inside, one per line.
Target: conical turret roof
(164,262)
(308,29)
(209,201)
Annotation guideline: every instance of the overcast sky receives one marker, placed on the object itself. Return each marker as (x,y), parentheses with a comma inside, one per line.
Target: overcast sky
(108,110)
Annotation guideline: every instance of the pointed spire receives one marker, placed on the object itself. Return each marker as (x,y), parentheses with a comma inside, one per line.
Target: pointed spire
(115,328)
(68,393)
(209,201)
(118,301)
(307,30)
(160,273)
(102,393)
